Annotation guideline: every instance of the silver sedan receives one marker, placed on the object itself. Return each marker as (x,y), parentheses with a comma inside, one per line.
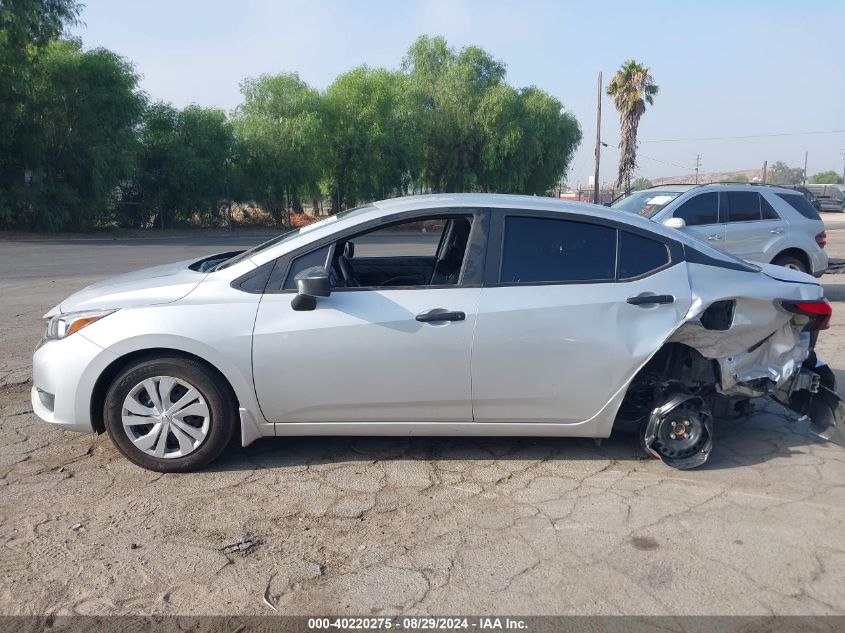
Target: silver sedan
(437,315)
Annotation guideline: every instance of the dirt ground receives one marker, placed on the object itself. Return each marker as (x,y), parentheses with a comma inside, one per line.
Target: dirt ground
(387,526)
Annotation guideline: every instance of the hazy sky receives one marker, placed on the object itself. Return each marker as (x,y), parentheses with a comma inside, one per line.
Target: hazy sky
(724,68)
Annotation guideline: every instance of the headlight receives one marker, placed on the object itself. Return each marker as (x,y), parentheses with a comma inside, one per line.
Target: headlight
(63,325)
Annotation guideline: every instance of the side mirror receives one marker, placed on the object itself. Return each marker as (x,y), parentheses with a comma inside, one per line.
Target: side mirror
(310,283)
(675,223)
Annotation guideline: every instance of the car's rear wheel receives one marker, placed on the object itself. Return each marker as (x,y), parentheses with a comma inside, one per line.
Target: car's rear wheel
(788,261)
(169,414)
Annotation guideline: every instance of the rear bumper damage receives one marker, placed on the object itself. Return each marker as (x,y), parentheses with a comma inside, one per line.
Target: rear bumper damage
(742,349)
(812,395)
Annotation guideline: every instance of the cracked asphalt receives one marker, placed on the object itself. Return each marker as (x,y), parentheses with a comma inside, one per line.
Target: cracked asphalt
(414,526)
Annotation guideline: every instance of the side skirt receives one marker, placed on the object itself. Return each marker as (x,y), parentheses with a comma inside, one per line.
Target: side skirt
(456,429)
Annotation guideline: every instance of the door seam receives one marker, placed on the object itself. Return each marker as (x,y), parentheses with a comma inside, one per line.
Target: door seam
(472,351)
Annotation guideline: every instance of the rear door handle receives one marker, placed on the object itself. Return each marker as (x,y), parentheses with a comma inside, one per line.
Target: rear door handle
(440,314)
(776,231)
(642,300)
(714,238)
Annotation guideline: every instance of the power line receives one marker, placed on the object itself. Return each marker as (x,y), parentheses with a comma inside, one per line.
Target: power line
(727,138)
(665,162)
(656,160)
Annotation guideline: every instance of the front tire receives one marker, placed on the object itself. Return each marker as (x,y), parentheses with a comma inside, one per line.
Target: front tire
(788,261)
(169,414)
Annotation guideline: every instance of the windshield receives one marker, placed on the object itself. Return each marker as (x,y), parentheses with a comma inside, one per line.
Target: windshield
(284,237)
(646,203)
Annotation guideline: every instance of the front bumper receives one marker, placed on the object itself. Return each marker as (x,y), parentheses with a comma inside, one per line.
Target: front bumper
(63,377)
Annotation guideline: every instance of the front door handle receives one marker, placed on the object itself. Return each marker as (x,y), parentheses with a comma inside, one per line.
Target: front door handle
(714,238)
(440,314)
(643,300)
(776,231)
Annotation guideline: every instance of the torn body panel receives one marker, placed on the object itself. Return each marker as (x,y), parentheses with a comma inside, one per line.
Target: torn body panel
(733,345)
(760,347)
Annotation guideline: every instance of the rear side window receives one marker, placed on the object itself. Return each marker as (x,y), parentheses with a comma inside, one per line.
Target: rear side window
(743,206)
(800,203)
(701,209)
(547,250)
(767,211)
(640,255)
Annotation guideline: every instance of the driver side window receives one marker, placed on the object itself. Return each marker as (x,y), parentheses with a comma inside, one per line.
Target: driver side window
(422,252)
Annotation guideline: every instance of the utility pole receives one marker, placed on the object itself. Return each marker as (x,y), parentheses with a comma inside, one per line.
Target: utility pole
(765,165)
(843,165)
(598,145)
(805,168)
(697,166)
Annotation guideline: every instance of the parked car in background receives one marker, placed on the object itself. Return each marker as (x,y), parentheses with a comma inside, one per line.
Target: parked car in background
(508,315)
(831,197)
(759,223)
(817,205)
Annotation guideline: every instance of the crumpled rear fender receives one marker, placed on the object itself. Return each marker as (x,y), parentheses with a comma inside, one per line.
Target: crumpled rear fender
(753,340)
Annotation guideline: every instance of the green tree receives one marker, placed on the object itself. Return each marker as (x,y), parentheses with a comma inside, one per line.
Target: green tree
(208,138)
(782,174)
(281,137)
(476,131)
(641,183)
(26,28)
(447,88)
(738,178)
(631,88)
(370,136)
(527,140)
(79,141)
(184,166)
(826,178)
(25,23)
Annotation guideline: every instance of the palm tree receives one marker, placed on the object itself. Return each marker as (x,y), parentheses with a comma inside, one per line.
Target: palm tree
(631,88)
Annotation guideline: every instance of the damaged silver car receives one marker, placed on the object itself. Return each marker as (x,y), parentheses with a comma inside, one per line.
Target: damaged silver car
(466,314)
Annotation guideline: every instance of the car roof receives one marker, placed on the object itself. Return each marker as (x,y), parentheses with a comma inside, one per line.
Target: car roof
(719,186)
(502,201)
(386,208)
(497,200)
(657,188)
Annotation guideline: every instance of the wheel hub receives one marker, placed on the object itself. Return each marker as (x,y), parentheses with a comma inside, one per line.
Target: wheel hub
(166,417)
(681,432)
(678,431)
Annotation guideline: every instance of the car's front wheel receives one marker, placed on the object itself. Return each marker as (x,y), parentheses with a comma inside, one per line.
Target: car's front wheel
(169,414)
(788,261)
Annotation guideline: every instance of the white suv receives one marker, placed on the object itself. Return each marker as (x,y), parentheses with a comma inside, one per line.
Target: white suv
(759,223)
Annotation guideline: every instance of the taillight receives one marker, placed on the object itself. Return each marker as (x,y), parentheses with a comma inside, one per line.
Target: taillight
(818,311)
(821,239)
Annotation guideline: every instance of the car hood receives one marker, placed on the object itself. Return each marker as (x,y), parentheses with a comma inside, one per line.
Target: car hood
(149,286)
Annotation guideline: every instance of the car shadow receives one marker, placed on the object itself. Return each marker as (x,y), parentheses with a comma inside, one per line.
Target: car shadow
(764,435)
